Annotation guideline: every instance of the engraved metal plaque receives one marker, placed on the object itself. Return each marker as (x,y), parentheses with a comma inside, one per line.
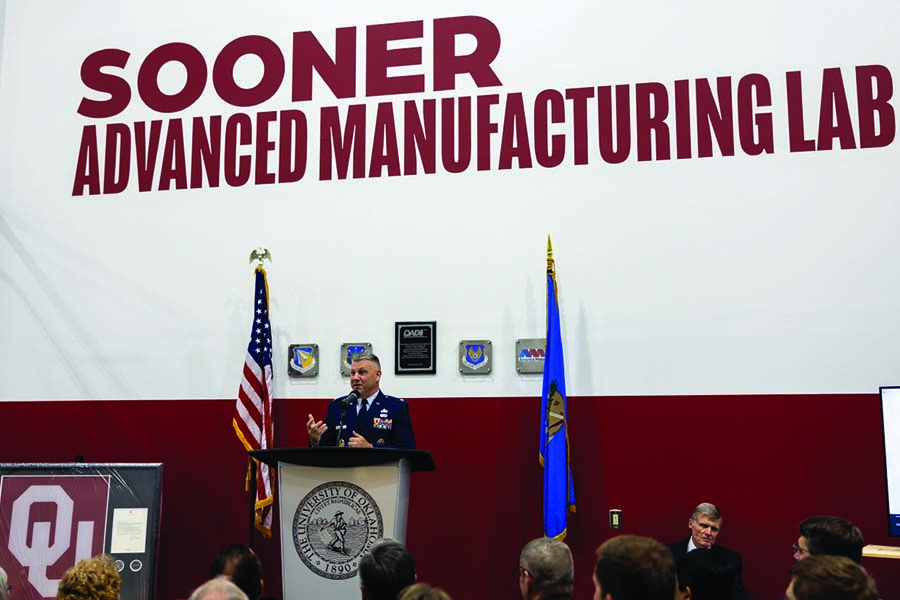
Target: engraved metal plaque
(476,357)
(351,349)
(415,347)
(530,355)
(303,360)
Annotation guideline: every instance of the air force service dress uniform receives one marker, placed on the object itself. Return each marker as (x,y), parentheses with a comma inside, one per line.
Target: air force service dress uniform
(384,424)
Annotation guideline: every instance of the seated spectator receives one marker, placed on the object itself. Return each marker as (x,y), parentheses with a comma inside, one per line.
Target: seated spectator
(423,591)
(828,535)
(826,577)
(220,588)
(706,575)
(241,564)
(91,579)
(704,525)
(630,567)
(385,570)
(545,570)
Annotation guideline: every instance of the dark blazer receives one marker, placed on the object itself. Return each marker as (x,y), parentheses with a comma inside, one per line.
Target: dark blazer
(385,424)
(679,549)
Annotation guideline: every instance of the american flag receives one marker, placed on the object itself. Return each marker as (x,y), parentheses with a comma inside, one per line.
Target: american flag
(253,410)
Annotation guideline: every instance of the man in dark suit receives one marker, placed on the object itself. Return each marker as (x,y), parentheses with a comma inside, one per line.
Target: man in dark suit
(373,420)
(705,523)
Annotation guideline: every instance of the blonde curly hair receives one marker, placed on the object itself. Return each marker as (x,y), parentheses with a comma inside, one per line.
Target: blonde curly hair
(91,579)
(423,591)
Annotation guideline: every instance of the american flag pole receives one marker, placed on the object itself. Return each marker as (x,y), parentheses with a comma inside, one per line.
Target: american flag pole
(252,419)
(252,524)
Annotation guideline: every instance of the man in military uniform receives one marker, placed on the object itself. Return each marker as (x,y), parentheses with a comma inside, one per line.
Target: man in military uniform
(374,420)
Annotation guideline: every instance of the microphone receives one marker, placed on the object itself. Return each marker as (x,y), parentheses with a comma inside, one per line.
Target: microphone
(353,395)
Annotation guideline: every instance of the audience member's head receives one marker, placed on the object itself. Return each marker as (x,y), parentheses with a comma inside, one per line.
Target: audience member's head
(634,568)
(829,535)
(545,569)
(705,575)
(707,509)
(385,570)
(241,564)
(705,523)
(828,577)
(4,591)
(91,579)
(219,588)
(423,591)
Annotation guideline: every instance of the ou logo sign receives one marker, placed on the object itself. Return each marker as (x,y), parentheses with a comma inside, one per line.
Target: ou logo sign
(54,521)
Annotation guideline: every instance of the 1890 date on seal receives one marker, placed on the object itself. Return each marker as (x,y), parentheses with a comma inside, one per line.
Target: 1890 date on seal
(334,525)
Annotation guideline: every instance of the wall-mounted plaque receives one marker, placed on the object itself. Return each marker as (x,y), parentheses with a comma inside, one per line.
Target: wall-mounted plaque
(415,347)
(351,349)
(303,360)
(476,357)
(530,355)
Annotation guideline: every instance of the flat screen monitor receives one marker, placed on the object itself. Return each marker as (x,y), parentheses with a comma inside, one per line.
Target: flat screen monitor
(890,418)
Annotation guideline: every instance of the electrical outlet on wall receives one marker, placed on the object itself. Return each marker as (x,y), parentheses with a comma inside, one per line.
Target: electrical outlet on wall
(615,518)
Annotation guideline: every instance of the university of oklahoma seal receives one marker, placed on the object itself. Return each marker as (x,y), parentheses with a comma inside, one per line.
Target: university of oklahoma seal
(334,525)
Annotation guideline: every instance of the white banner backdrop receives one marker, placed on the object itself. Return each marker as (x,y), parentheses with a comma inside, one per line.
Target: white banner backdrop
(738,238)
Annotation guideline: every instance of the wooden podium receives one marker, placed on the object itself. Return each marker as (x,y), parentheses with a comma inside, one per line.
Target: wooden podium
(333,504)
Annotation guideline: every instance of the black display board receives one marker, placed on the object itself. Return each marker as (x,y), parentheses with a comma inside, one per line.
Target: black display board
(52,515)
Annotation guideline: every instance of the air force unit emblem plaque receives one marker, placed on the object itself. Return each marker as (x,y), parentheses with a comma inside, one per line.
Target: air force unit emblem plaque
(303,360)
(475,357)
(334,525)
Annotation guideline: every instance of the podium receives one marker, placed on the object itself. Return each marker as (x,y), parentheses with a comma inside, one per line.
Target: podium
(333,504)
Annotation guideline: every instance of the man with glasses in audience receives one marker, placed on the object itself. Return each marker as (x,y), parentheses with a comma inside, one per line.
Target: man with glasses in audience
(827,535)
(545,570)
